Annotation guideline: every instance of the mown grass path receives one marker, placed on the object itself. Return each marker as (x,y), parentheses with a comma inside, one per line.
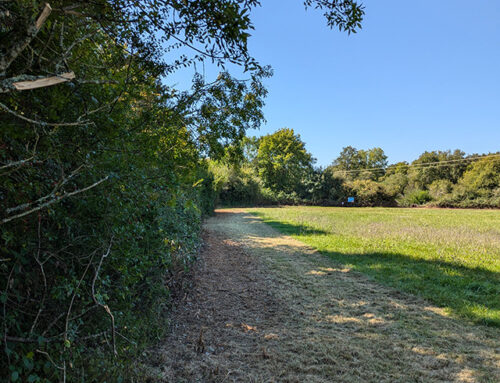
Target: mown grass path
(266,308)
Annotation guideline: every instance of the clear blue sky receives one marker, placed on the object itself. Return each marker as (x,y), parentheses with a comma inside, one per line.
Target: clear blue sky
(420,75)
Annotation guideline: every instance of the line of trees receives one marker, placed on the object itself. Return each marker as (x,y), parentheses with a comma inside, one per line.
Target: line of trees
(277,168)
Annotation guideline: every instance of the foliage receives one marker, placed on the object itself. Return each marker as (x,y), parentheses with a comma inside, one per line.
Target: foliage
(235,185)
(395,183)
(482,175)
(351,162)
(397,168)
(438,178)
(415,197)
(451,168)
(440,189)
(93,267)
(322,187)
(282,161)
(369,193)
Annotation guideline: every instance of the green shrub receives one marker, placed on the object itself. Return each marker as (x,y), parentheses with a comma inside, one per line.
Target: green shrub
(416,197)
(370,193)
(440,189)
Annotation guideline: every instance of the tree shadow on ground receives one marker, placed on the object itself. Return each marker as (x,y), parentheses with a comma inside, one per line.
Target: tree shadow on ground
(469,292)
(289,228)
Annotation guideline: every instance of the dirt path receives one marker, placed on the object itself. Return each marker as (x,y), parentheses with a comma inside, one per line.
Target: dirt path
(266,308)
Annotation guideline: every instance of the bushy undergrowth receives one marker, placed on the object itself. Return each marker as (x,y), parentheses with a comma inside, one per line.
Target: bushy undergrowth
(85,279)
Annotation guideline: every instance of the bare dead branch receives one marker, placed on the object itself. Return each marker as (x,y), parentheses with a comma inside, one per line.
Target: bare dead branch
(15,163)
(4,307)
(42,123)
(107,105)
(63,181)
(70,48)
(66,326)
(97,82)
(50,359)
(40,264)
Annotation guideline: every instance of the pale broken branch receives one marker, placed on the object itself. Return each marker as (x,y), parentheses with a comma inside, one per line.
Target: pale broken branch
(27,82)
(44,82)
(43,16)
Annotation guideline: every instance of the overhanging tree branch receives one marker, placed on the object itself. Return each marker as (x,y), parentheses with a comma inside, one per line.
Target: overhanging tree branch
(41,123)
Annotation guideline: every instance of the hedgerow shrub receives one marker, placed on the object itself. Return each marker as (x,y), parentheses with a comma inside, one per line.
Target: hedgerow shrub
(103,185)
(370,193)
(416,197)
(440,189)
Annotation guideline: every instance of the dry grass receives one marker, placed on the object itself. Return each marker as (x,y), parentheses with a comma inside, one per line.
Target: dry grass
(266,308)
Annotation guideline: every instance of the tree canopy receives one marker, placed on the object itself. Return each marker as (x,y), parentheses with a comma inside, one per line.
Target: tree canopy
(283,161)
(351,162)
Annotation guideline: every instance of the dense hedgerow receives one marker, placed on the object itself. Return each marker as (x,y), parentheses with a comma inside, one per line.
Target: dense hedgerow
(285,175)
(104,183)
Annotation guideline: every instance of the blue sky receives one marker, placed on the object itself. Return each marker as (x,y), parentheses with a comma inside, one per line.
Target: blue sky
(420,75)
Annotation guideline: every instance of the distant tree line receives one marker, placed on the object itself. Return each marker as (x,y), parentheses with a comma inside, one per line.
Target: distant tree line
(277,168)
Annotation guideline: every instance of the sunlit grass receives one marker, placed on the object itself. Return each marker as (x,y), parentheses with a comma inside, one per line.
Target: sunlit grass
(450,257)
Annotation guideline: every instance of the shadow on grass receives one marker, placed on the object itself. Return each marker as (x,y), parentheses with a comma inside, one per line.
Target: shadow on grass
(472,293)
(294,229)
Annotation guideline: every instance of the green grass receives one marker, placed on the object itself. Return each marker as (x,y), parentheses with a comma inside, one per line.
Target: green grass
(449,257)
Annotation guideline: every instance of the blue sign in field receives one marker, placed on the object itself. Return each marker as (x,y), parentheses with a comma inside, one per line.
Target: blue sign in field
(350,199)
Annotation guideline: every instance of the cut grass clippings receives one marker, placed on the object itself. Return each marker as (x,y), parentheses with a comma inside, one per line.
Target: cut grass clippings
(449,257)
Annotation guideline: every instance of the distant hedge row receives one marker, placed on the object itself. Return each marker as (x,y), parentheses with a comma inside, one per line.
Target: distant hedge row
(276,169)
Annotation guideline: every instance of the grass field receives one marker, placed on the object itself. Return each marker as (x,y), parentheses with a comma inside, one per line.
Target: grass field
(450,257)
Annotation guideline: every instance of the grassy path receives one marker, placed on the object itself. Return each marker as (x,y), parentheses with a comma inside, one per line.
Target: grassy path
(266,308)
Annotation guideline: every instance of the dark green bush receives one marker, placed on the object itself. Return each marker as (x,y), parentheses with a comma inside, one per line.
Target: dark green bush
(416,197)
